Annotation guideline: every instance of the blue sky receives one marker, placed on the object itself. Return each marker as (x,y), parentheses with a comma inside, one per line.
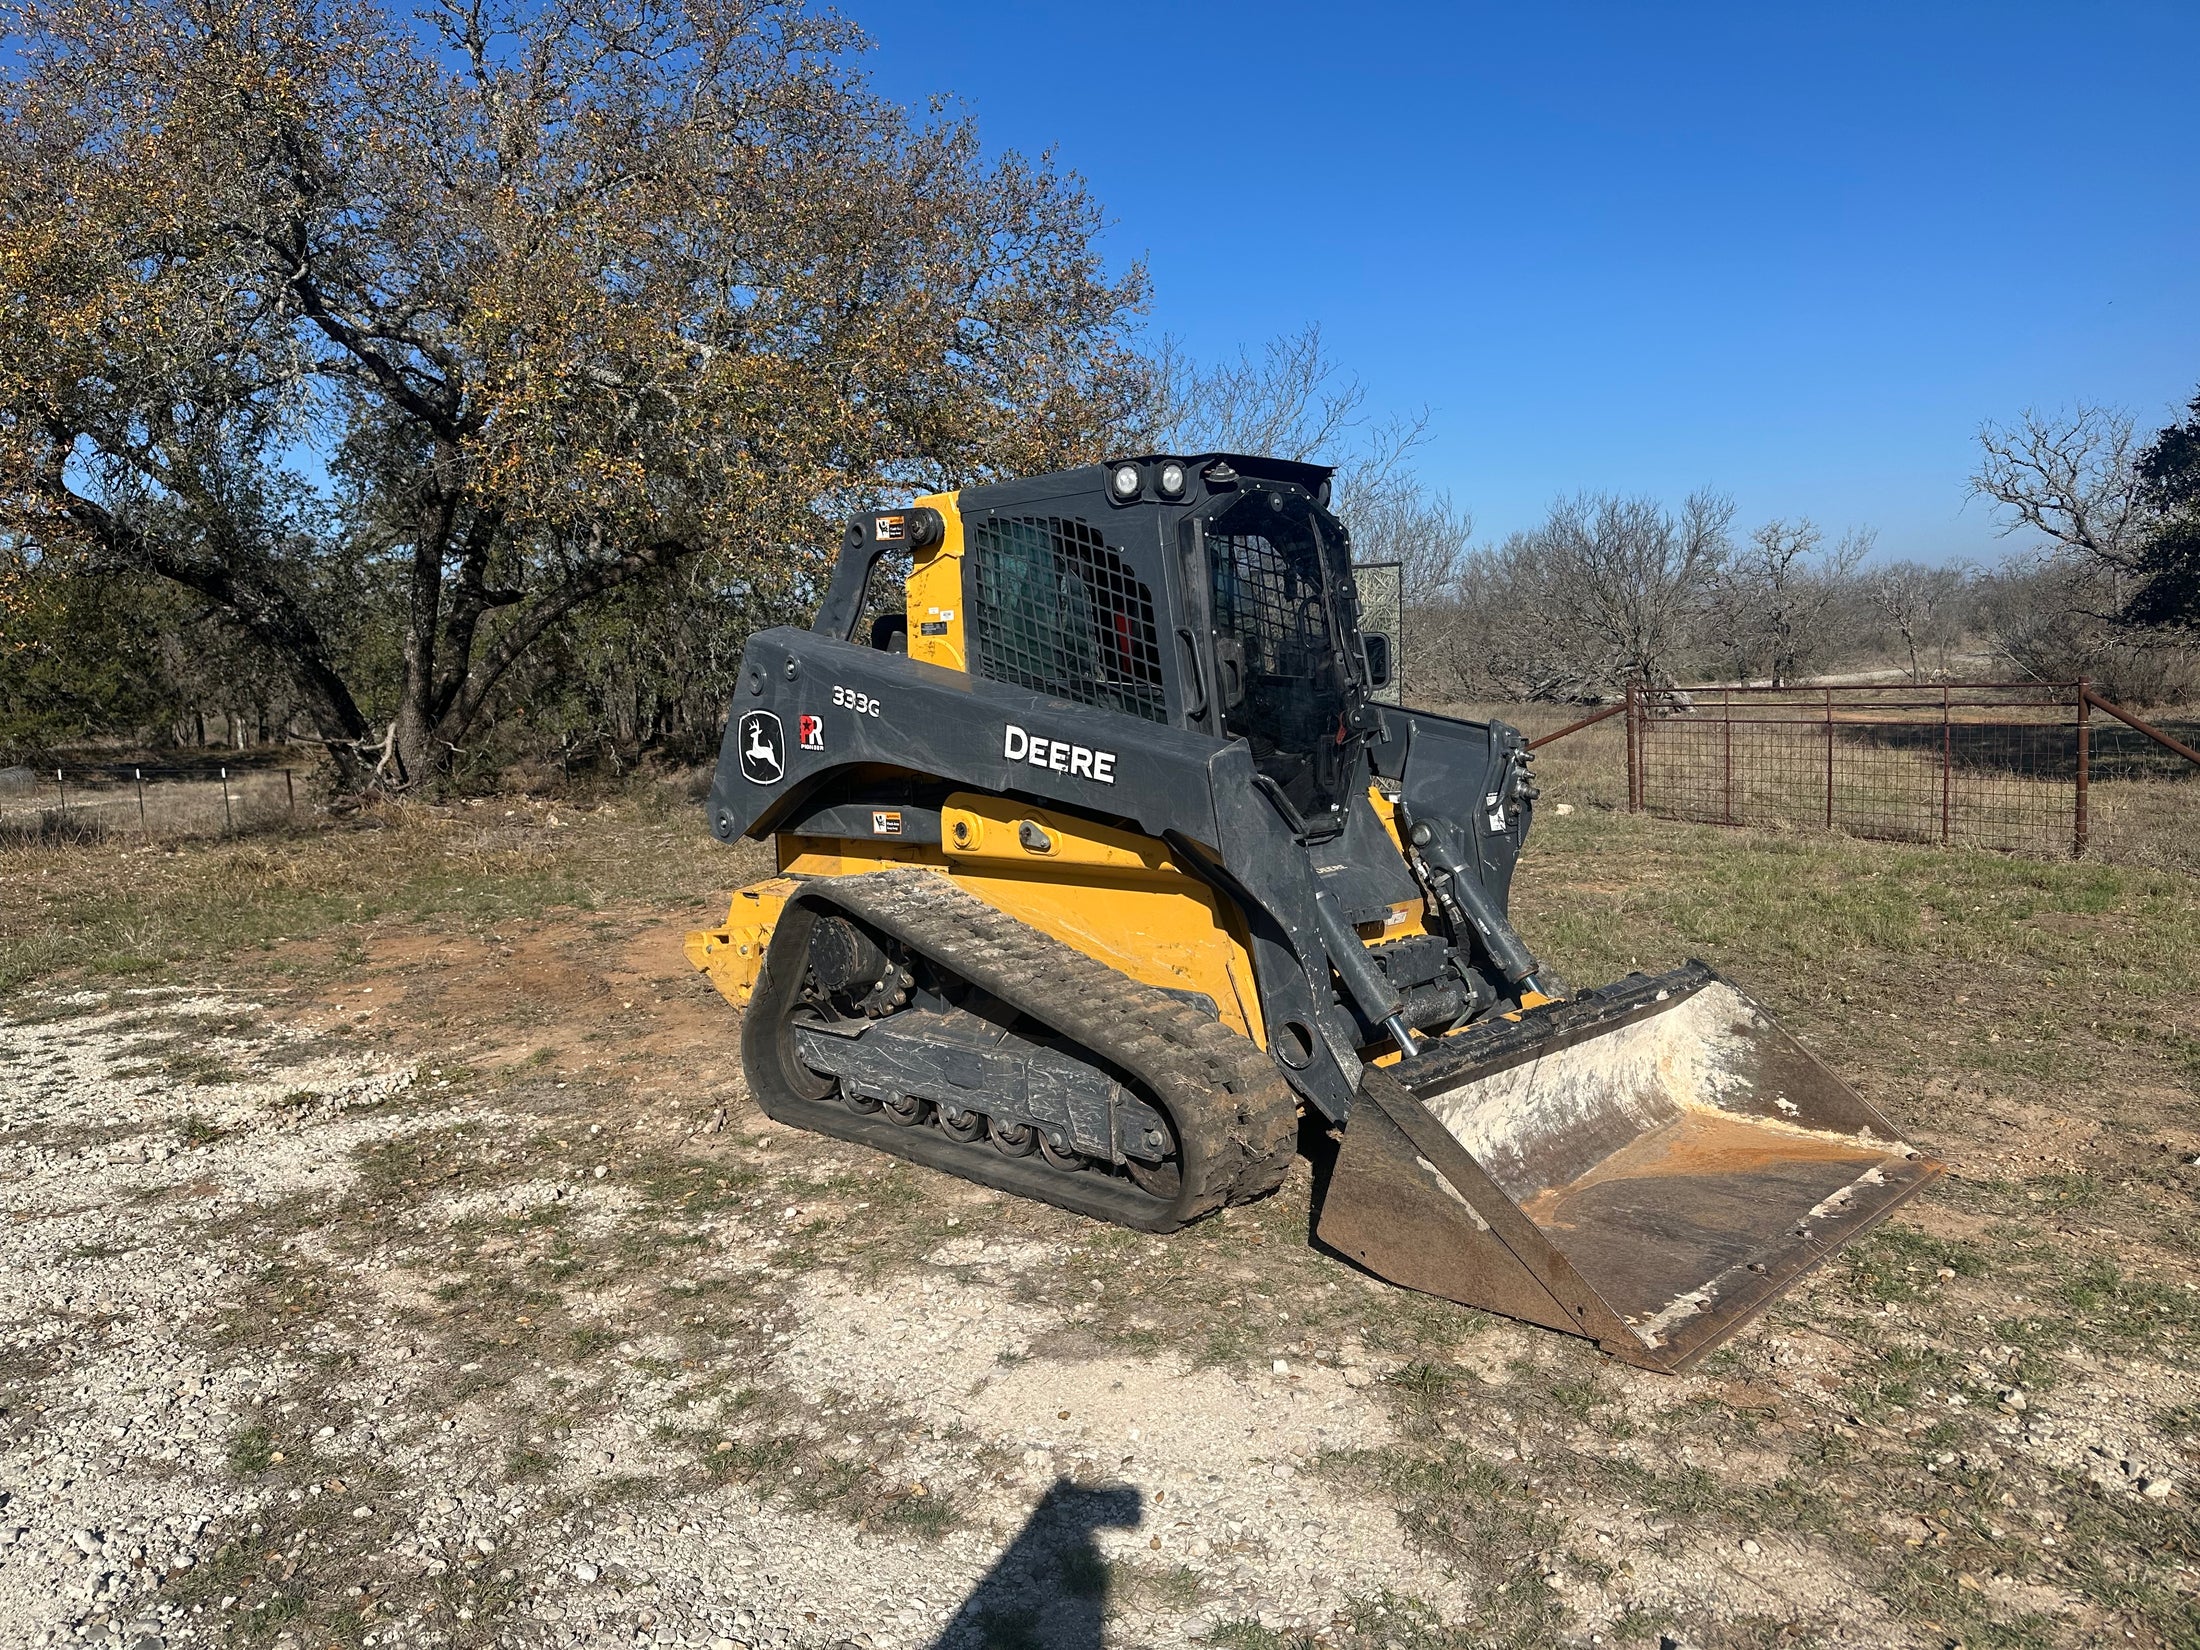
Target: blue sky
(1795,253)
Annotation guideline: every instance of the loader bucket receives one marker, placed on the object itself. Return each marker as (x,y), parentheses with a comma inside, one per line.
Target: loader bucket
(1647,1165)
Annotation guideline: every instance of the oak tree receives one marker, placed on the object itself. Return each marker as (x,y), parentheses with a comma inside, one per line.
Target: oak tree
(2168,566)
(497,308)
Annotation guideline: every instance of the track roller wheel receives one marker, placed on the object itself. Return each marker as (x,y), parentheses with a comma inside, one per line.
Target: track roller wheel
(958,1124)
(1061,1156)
(910,1113)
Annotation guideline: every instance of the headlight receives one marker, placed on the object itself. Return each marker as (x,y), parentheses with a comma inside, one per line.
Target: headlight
(1126,482)
(1172,479)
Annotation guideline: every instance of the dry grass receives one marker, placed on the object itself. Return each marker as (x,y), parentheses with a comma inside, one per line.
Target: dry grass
(2143,802)
(2038,1025)
(115,907)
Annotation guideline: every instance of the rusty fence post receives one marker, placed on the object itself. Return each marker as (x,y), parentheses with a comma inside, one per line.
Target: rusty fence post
(229,820)
(1727,710)
(1947,763)
(144,830)
(1634,760)
(1829,759)
(63,791)
(2083,824)
(290,797)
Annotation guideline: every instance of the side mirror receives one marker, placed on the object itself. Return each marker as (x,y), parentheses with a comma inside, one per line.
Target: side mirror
(1375,647)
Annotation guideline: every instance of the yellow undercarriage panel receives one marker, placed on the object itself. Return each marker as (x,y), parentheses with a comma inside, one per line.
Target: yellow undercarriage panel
(1113,895)
(733,955)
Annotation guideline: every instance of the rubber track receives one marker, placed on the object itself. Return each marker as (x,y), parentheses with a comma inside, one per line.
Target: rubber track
(1222,1093)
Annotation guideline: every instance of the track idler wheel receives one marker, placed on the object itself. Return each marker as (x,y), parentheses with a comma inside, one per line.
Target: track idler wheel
(809,1084)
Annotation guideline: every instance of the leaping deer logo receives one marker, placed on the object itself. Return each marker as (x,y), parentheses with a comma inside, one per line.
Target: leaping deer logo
(761,741)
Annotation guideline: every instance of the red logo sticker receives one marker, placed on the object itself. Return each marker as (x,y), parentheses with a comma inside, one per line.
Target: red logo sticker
(813,732)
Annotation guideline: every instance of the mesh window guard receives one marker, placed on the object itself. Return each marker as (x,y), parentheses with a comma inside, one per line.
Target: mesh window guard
(1268,597)
(1055,610)
(1272,602)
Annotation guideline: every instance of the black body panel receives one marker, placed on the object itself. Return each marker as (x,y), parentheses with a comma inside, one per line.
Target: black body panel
(946,726)
(1360,868)
(794,759)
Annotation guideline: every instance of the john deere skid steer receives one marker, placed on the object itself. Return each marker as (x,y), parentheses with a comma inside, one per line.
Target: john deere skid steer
(1101,862)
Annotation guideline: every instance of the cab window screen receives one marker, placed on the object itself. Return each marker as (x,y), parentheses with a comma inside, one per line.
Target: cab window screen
(1055,610)
(1268,597)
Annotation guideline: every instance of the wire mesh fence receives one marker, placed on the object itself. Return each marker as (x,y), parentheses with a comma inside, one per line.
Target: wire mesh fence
(1382,611)
(2049,770)
(130,800)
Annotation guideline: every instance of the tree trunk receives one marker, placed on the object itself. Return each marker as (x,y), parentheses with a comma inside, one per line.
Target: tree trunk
(420,759)
(465,682)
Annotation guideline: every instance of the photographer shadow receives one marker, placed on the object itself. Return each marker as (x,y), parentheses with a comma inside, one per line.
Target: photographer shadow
(1049,1589)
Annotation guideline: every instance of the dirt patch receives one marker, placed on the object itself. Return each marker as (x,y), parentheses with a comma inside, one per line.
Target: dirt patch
(567,992)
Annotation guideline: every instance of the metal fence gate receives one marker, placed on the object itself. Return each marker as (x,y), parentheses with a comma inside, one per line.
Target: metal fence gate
(2045,769)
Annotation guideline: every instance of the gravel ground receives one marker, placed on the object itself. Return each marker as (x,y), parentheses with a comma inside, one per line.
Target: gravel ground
(126,1224)
(132,1219)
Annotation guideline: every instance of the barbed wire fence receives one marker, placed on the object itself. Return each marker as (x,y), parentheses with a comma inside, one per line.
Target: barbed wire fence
(93,801)
(2047,770)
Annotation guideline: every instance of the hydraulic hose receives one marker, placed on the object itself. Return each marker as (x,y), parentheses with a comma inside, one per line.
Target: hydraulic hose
(1467,906)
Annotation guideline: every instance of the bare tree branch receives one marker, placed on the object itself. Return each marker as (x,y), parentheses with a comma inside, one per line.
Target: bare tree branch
(2068,476)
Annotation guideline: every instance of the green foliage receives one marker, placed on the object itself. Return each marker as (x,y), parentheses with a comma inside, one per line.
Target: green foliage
(2124,1310)
(1479,1517)
(2168,595)
(402,420)
(251,1450)
(1900,1263)
(646,671)
(80,655)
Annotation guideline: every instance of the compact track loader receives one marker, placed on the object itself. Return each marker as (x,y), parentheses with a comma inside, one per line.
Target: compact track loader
(1101,861)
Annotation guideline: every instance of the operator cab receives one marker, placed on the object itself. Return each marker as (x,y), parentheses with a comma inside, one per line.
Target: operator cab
(1212,593)
(1284,629)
